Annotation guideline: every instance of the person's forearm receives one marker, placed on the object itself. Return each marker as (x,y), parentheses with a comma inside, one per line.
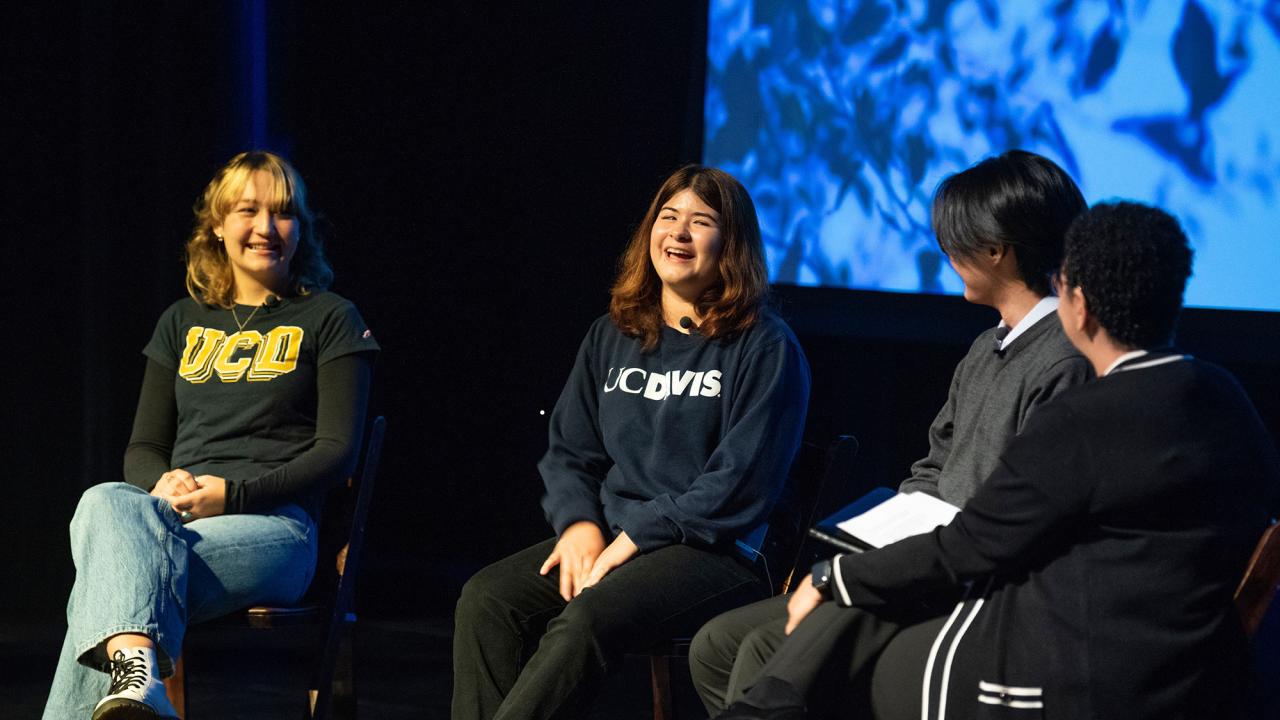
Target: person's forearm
(150,448)
(343,385)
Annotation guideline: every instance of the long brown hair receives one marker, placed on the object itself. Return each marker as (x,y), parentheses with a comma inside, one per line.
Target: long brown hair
(732,303)
(209,276)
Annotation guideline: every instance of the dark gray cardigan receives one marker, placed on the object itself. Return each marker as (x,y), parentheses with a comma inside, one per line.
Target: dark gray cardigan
(992,395)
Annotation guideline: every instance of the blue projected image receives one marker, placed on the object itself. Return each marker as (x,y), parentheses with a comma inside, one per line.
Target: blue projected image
(841,117)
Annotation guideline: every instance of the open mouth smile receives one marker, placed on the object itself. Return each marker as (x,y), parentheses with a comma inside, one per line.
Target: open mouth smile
(263,249)
(679,255)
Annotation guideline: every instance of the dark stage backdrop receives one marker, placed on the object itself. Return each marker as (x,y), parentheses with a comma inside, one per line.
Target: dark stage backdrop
(480,169)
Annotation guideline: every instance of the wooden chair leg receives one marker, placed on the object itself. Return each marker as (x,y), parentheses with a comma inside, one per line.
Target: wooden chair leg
(660,676)
(175,686)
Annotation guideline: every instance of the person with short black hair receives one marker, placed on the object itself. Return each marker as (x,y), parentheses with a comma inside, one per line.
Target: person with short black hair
(1017,201)
(1001,224)
(1103,551)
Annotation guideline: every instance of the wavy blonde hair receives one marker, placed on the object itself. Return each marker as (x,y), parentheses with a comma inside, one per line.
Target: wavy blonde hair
(732,304)
(209,276)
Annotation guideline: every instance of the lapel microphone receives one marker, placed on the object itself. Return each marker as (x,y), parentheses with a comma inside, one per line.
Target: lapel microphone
(687,323)
(1002,332)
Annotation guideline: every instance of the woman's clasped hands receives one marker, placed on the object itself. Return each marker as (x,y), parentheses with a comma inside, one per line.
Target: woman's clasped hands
(584,559)
(192,496)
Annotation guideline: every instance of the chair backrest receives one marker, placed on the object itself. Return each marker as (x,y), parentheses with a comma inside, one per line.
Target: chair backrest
(1258,586)
(348,559)
(342,612)
(346,513)
(816,478)
(342,519)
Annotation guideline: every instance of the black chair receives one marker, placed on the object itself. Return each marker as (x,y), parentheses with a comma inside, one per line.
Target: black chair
(818,481)
(330,602)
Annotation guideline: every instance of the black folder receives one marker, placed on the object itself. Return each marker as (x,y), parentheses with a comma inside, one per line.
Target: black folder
(828,532)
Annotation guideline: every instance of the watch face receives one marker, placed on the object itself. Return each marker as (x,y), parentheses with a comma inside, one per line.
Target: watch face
(822,578)
(822,574)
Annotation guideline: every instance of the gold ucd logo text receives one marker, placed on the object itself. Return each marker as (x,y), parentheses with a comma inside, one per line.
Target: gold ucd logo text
(209,351)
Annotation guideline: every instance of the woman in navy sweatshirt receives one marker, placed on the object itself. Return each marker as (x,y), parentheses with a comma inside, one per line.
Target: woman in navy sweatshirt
(668,447)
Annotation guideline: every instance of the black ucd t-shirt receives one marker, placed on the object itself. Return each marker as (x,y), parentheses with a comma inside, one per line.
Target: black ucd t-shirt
(246,399)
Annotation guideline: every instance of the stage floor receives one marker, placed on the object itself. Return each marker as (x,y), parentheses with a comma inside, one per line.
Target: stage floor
(403,671)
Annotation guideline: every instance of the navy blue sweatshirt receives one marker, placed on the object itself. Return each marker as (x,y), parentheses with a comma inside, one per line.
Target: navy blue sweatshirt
(689,443)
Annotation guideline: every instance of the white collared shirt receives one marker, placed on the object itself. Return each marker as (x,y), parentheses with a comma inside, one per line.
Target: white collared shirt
(1046,305)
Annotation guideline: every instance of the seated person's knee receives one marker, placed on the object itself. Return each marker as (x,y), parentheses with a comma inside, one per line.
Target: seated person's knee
(712,645)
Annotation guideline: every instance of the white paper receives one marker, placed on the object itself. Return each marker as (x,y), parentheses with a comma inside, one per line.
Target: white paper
(901,516)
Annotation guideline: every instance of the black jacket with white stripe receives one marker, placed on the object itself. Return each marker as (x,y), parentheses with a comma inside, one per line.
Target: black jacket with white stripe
(1106,547)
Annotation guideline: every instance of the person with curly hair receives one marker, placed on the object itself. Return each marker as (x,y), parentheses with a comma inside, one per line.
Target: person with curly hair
(668,448)
(252,406)
(1104,549)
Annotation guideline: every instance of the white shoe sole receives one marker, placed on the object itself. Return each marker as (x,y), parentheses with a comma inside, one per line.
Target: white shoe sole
(126,709)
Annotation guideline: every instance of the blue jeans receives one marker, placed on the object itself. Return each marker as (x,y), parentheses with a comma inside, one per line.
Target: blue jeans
(139,569)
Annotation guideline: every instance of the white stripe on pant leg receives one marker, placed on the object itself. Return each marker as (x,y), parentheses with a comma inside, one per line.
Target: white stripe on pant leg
(951,654)
(933,654)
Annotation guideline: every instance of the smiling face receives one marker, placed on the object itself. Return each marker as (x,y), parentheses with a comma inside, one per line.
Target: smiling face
(260,240)
(986,273)
(684,245)
(976,280)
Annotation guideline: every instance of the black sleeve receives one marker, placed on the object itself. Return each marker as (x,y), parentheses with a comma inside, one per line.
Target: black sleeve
(576,462)
(343,386)
(155,424)
(1039,488)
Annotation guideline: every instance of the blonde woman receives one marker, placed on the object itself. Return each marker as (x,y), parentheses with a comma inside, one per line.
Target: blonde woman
(252,407)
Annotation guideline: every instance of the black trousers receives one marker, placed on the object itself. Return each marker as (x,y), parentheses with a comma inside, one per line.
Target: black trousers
(897,680)
(839,659)
(727,654)
(521,651)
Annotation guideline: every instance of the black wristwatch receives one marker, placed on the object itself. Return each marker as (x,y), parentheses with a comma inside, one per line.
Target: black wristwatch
(822,578)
